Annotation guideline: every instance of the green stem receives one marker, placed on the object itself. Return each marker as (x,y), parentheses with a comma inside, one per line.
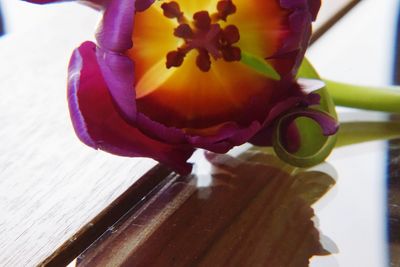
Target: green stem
(351,133)
(373,98)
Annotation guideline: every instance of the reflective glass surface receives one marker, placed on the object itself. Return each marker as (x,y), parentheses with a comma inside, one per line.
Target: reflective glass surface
(361,48)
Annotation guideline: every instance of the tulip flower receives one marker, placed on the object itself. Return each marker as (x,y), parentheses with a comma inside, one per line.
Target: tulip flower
(167,77)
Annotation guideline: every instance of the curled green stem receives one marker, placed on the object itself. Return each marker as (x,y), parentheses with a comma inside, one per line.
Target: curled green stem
(373,98)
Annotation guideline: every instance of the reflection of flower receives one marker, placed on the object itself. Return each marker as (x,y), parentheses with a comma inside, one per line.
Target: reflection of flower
(167,77)
(256,211)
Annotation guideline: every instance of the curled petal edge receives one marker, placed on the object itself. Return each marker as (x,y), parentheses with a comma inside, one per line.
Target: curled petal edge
(98,123)
(117,71)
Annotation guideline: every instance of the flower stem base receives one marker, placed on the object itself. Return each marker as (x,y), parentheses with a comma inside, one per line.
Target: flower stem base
(372,98)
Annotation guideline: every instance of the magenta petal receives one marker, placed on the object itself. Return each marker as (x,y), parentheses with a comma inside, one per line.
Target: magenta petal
(328,124)
(99,124)
(115,30)
(159,131)
(265,135)
(143,4)
(290,55)
(118,73)
(300,26)
(291,138)
(312,6)
(228,136)
(74,75)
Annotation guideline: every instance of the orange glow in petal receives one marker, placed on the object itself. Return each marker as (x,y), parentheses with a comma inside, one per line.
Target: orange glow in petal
(186,96)
(153,79)
(192,98)
(260,26)
(153,36)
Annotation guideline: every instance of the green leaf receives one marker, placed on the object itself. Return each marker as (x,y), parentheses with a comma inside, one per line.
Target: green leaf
(260,65)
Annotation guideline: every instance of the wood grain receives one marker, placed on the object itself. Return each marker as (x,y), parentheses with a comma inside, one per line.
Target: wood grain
(51,185)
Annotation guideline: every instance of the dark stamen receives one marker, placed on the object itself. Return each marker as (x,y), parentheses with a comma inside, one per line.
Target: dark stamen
(183,31)
(225,8)
(231,53)
(172,10)
(203,60)
(211,41)
(231,34)
(174,59)
(202,20)
(205,35)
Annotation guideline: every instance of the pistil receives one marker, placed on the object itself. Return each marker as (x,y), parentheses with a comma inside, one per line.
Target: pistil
(204,34)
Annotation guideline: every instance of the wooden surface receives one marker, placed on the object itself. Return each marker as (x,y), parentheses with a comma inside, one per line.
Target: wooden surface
(51,185)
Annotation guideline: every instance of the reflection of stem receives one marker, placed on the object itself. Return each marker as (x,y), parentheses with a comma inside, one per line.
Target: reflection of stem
(373,98)
(358,132)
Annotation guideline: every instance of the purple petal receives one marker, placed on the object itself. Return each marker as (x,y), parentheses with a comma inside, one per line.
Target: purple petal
(328,124)
(98,123)
(264,136)
(290,55)
(228,136)
(142,5)
(312,6)
(74,75)
(115,30)
(118,72)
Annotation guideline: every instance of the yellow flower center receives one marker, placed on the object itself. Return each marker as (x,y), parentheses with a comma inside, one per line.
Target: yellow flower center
(191,60)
